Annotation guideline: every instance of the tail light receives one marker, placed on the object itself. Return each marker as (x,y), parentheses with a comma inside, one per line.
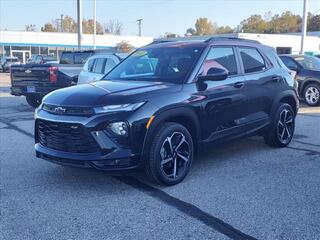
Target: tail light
(53,74)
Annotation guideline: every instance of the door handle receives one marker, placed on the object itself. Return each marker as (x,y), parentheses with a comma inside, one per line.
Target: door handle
(238,84)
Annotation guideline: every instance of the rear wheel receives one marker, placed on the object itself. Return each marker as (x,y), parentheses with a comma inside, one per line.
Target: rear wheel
(282,128)
(170,155)
(34,100)
(311,94)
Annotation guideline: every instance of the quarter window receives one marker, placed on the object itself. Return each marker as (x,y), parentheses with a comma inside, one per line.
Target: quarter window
(252,60)
(220,57)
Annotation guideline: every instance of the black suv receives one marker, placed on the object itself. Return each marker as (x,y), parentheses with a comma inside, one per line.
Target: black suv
(155,107)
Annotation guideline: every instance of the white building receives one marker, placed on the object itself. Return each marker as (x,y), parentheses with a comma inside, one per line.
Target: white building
(286,43)
(23,44)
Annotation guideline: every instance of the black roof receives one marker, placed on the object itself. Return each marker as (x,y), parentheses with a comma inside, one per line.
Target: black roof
(203,40)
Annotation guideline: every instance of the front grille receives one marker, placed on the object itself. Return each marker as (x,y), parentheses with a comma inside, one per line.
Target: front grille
(66,137)
(75,111)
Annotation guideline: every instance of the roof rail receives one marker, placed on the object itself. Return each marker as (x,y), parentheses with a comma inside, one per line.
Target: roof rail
(211,39)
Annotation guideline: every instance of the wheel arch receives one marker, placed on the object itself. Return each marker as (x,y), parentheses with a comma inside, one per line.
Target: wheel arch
(182,115)
(306,83)
(286,97)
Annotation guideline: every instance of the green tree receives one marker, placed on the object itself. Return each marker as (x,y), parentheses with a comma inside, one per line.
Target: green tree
(125,47)
(69,25)
(313,22)
(48,27)
(204,26)
(224,30)
(87,27)
(254,24)
(190,32)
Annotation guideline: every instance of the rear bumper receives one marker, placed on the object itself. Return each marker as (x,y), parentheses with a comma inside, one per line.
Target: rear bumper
(17,90)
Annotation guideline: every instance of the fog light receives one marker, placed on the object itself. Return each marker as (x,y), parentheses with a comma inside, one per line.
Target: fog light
(119,128)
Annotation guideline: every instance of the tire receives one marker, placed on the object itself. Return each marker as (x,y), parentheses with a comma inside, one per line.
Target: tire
(282,127)
(167,167)
(311,94)
(34,100)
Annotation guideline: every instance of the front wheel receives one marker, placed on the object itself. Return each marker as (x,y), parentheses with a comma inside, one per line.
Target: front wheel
(282,127)
(170,155)
(311,94)
(34,100)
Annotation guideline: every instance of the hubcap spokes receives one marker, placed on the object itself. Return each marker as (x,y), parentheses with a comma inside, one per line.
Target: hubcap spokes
(312,95)
(175,155)
(285,126)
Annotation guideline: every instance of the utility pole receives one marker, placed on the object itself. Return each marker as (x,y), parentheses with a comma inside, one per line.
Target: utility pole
(94,23)
(140,25)
(79,23)
(304,25)
(61,23)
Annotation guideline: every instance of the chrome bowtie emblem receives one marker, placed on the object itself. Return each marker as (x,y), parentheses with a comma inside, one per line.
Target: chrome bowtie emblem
(60,110)
(27,71)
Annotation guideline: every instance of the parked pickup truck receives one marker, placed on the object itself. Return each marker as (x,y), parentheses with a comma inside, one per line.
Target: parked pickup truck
(34,80)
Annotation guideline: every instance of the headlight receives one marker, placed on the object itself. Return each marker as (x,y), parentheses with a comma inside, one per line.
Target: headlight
(118,108)
(119,128)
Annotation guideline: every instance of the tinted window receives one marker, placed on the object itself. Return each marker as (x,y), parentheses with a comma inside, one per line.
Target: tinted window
(81,58)
(109,65)
(309,62)
(66,58)
(166,64)
(220,57)
(252,60)
(289,62)
(99,65)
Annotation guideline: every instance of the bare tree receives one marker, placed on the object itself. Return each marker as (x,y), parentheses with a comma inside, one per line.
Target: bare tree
(31,28)
(113,27)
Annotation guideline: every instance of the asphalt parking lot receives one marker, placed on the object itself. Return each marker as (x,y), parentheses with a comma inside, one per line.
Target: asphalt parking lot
(240,190)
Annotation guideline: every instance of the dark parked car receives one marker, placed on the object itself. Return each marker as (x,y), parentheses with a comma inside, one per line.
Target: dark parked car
(155,107)
(7,62)
(307,70)
(36,79)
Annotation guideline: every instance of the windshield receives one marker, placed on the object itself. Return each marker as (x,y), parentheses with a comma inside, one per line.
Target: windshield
(309,62)
(164,64)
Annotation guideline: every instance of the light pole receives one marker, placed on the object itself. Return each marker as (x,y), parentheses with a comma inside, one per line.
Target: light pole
(140,25)
(79,23)
(94,23)
(304,25)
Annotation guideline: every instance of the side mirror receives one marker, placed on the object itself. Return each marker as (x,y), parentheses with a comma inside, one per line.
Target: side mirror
(214,74)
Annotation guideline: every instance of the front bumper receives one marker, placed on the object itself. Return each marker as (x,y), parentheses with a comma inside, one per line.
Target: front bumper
(111,156)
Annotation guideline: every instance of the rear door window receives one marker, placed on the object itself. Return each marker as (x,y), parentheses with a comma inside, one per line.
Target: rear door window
(252,60)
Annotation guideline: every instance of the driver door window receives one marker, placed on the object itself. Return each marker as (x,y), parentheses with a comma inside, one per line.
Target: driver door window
(220,57)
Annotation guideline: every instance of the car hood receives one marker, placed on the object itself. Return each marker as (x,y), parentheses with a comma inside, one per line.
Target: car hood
(108,93)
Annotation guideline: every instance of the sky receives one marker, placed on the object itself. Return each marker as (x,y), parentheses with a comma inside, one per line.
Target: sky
(173,16)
